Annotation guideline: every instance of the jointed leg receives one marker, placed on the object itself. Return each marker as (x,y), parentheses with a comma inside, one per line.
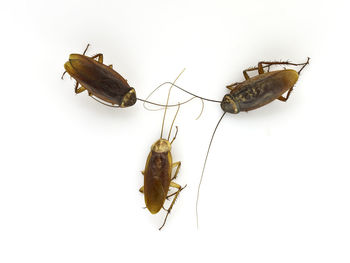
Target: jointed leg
(304,65)
(260,71)
(172,184)
(78,90)
(284,99)
(99,57)
(177,165)
(141,189)
(174,135)
(264,64)
(234,85)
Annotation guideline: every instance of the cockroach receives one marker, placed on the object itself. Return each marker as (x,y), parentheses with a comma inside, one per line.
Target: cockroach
(158,172)
(253,93)
(102,83)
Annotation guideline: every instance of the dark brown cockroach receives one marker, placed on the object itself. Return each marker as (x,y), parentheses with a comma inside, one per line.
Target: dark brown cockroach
(253,93)
(102,82)
(99,80)
(158,172)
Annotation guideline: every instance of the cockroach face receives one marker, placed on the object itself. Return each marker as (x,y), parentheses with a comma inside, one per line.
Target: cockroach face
(161,145)
(228,104)
(129,99)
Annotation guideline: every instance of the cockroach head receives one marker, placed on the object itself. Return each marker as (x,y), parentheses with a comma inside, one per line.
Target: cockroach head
(129,99)
(228,104)
(161,145)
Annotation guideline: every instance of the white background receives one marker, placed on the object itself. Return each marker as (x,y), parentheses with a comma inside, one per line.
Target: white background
(276,187)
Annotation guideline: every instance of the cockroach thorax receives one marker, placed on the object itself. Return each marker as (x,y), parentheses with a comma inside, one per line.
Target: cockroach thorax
(129,99)
(161,145)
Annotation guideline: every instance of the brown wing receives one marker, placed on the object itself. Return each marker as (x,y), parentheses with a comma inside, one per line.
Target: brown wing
(157,180)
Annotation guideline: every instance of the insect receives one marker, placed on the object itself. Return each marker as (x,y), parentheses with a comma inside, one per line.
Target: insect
(253,93)
(158,172)
(102,82)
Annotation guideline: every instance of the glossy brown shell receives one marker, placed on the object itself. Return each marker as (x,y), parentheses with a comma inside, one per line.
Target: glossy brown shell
(100,80)
(260,90)
(157,177)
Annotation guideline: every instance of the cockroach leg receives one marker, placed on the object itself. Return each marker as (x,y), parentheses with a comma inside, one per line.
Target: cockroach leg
(111,66)
(268,64)
(170,196)
(177,165)
(233,86)
(141,188)
(175,185)
(174,135)
(284,99)
(246,76)
(99,57)
(304,65)
(78,90)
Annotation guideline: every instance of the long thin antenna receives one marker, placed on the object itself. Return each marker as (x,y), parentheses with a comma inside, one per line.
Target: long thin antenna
(167,101)
(205,162)
(162,105)
(171,127)
(180,103)
(194,95)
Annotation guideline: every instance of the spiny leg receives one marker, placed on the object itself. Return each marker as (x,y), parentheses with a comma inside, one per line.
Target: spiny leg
(177,165)
(171,196)
(246,76)
(233,86)
(268,64)
(284,99)
(99,57)
(141,189)
(304,65)
(175,135)
(78,90)
(264,64)
(172,184)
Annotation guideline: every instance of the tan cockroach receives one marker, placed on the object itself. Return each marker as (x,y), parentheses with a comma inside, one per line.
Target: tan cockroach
(158,171)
